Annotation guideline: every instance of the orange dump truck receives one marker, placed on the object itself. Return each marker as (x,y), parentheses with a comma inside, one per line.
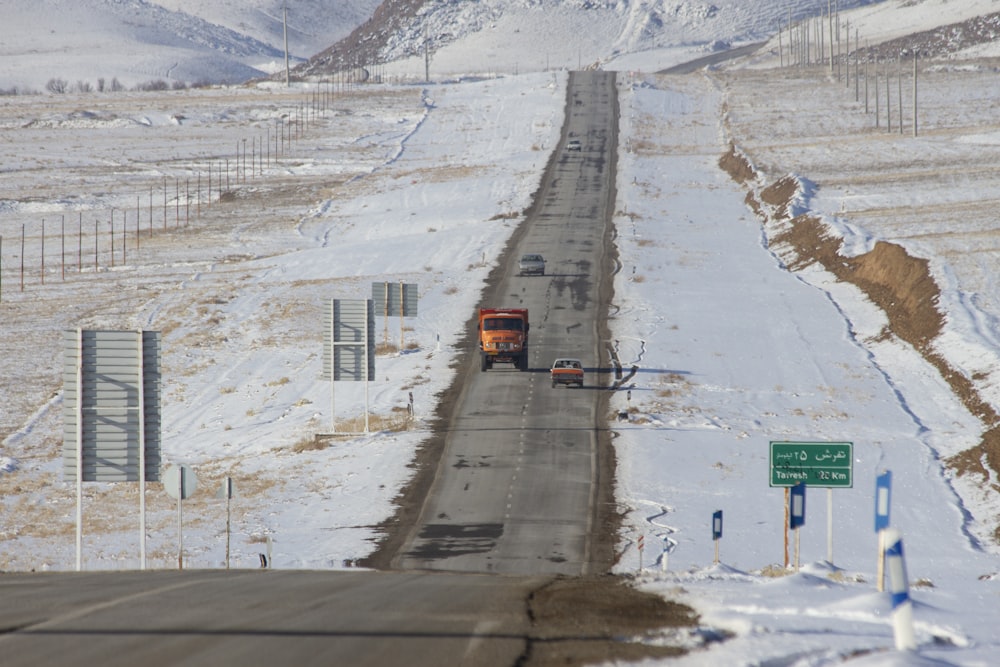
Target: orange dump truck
(503,337)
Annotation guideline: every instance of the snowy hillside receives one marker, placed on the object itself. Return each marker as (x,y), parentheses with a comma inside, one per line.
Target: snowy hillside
(179,41)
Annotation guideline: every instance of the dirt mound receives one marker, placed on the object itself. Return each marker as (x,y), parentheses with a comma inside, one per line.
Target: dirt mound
(586,620)
(897,283)
(737,166)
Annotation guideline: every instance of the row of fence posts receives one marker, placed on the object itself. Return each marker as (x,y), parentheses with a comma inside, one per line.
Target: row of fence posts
(807,45)
(250,159)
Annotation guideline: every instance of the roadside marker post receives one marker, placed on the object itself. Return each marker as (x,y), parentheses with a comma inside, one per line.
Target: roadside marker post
(642,541)
(797,515)
(228,491)
(883,496)
(899,587)
(717,531)
(180,482)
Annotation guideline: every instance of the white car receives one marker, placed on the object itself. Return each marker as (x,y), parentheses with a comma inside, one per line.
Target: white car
(573,145)
(531,264)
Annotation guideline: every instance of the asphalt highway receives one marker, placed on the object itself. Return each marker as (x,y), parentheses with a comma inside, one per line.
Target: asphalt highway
(266,617)
(515,492)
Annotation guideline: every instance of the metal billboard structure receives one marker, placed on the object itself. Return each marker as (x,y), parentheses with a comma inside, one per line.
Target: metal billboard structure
(111,413)
(348,346)
(395,299)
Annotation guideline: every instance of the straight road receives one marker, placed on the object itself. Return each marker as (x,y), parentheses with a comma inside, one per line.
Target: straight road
(516,487)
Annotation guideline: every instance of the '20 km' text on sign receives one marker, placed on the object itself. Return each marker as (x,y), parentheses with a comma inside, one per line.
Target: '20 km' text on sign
(822,464)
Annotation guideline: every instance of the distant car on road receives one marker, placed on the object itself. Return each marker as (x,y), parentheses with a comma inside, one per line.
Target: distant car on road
(573,145)
(531,264)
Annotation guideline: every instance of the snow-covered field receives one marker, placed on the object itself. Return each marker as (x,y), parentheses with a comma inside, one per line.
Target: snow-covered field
(424,184)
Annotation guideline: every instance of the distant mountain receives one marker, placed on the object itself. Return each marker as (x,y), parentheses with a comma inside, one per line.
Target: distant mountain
(521,30)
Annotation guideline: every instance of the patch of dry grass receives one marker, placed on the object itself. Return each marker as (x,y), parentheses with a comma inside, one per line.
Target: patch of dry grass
(398,421)
(675,385)
(385,349)
(843,577)
(509,215)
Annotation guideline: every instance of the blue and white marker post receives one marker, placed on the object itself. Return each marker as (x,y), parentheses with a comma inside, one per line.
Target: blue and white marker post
(797,515)
(717,531)
(883,494)
(899,587)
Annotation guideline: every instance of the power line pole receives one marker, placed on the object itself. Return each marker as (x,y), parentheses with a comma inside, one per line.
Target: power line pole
(284,23)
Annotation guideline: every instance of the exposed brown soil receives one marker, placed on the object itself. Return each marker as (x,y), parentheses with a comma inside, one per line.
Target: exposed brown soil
(899,284)
(736,166)
(586,620)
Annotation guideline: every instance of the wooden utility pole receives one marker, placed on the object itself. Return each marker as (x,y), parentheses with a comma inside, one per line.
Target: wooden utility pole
(284,23)
(914,92)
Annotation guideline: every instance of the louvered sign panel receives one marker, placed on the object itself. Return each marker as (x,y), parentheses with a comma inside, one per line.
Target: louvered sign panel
(395,299)
(117,376)
(349,340)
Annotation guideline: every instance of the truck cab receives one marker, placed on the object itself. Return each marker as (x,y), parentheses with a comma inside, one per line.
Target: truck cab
(503,337)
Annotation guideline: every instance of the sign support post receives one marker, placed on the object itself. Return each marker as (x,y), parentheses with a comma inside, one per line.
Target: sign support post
(787,521)
(229,520)
(829,526)
(228,491)
(365,376)
(180,520)
(79,450)
(820,464)
(140,361)
(333,371)
(181,488)
(717,532)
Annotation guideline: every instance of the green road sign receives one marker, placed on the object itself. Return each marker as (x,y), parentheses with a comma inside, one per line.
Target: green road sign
(822,464)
